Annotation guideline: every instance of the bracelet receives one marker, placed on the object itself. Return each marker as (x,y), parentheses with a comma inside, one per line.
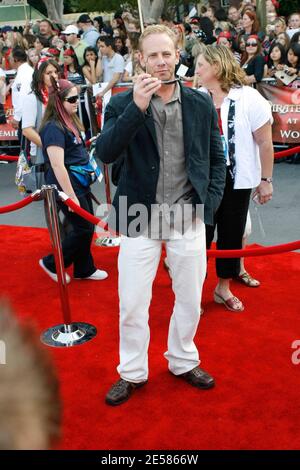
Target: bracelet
(268,180)
(71,195)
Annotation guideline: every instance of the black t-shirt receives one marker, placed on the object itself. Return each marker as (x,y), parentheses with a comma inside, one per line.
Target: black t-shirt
(74,153)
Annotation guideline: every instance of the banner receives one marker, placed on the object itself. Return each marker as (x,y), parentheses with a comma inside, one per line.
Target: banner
(7,132)
(285,103)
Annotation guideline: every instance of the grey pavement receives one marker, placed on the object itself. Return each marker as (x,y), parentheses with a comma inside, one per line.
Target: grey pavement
(275,223)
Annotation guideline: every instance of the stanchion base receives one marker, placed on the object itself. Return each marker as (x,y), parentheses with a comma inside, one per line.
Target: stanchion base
(65,336)
(108,242)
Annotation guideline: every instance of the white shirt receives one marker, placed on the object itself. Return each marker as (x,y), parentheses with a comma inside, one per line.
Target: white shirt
(29,116)
(111,66)
(291,32)
(20,88)
(129,68)
(2,86)
(252,111)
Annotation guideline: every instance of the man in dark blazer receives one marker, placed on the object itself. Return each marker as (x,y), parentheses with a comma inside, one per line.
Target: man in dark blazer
(165,141)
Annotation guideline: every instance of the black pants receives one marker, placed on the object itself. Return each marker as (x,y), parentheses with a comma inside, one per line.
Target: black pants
(230,220)
(76,246)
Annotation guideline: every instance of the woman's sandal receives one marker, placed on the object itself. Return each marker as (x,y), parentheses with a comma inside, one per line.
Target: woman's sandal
(233,303)
(248,280)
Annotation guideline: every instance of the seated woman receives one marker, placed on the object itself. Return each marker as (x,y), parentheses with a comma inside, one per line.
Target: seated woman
(63,147)
(252,61)
(276,59)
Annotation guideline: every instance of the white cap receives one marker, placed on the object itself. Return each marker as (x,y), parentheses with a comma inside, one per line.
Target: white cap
(71,29)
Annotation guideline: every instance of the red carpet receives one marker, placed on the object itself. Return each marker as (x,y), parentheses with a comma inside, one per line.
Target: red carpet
(255,404)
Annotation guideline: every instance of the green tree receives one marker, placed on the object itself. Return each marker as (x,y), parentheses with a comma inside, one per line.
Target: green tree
(288,6)
(69,6)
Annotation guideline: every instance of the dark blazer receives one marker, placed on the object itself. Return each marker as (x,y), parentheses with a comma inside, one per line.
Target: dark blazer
(256,67)
(128,136)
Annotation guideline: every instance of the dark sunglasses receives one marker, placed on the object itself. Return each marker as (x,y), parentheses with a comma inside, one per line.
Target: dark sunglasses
(251,44)
(72,99)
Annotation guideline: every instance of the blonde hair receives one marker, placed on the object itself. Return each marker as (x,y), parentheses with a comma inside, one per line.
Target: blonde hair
(229,74)
(157,29)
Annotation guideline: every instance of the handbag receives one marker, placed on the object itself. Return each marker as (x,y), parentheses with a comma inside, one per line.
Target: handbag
(30,170)
(87,174)
(28,177)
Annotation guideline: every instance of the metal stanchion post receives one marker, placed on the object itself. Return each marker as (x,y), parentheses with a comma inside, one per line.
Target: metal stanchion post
(67,334)
(111,240)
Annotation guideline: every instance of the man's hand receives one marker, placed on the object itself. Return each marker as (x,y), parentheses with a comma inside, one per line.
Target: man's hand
(15,124)
(143,90)
(263,192)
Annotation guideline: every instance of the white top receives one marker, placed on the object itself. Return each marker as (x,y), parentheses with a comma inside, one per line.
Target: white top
(291,32)
(129,68)
(111,66)
(2,86)
(252,111)
(20,88)
(29,115)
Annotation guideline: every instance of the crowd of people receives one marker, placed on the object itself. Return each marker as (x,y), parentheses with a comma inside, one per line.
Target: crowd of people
(92,51)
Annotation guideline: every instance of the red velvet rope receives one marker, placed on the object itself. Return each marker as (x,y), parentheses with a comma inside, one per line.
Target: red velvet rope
(262,251)
(283,153)
(269,250)
(17,205)
(9,158)
(287,152)
(86,215)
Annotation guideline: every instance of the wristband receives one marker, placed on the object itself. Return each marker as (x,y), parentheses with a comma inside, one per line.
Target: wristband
(268,180)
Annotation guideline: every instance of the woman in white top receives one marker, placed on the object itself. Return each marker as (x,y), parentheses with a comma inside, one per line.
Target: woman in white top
(245,120)
(2,96)
(34,105)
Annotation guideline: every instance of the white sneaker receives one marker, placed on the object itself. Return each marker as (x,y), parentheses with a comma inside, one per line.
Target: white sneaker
(52,275)
(98,275)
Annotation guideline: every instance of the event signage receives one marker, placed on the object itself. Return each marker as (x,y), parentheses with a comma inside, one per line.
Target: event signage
(7,132)
(285,103)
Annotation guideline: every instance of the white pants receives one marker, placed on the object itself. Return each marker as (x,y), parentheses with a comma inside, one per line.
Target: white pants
(138,263)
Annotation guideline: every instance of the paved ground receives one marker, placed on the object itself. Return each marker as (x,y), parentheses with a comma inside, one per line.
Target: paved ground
(280,219)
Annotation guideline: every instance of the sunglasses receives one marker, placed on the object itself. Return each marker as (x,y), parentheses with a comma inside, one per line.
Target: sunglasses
(72,99)
(251,44)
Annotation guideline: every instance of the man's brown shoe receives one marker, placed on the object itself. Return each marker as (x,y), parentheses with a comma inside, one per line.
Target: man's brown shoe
(121,391)
(199,378)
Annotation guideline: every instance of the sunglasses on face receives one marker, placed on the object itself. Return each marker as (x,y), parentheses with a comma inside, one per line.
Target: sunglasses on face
(72,99)
(254,44)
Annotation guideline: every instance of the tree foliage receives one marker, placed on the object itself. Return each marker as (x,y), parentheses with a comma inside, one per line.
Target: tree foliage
(69,6)
(288,6)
